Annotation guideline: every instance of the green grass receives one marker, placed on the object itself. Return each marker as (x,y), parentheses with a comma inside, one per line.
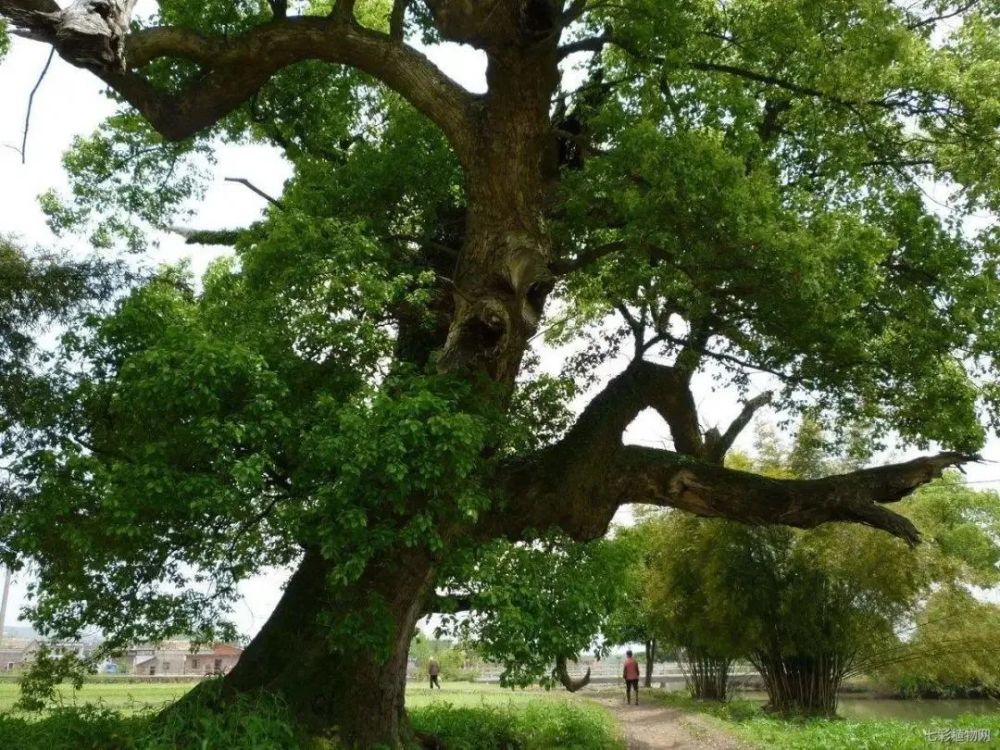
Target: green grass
(746,721)
(541,725)
(840,734)
(464,716)
(132,696)
(121,696)
(468,694)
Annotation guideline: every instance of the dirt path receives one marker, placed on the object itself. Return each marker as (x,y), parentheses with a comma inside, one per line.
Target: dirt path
(651,727)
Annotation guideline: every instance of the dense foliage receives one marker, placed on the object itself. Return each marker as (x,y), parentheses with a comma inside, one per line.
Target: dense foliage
(951,650)
(676,190)
(811,608)
(526,606)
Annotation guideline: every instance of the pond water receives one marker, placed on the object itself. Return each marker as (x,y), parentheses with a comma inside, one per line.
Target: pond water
(859,707)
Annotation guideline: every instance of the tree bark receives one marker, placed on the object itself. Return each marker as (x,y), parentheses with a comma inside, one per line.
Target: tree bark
(561,673)
(650,661)
(502,278)
(87,33)
(328,682)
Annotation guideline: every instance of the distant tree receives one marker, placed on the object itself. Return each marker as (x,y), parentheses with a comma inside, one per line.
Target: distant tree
(690,602)
(531,606)
(633,619)
(810,608)
(451,657)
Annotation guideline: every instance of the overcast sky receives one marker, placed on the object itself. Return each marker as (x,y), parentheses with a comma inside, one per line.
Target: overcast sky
(70,103)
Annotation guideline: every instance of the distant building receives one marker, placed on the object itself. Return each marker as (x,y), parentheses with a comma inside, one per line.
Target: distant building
(16,654)
(171,658)
(13,654)
(175,658)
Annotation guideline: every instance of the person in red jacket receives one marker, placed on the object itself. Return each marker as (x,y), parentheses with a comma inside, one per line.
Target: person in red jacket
(631,675)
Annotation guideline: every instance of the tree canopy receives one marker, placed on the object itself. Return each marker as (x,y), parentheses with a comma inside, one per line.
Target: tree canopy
(681,189)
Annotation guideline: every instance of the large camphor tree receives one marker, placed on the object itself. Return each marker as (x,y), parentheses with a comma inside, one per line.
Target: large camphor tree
(680,186)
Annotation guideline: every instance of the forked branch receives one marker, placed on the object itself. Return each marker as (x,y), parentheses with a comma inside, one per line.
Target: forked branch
(718,445)
(578,484)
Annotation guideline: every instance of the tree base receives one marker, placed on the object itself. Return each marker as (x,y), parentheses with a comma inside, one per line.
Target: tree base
(352,695)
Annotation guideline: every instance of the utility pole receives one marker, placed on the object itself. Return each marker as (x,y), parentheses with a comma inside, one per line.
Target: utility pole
(3,600)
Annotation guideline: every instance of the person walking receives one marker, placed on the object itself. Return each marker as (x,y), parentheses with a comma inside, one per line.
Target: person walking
(433,669)
(631,675)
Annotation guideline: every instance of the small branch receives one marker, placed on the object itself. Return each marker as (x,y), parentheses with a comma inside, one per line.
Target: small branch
(261,515)
(585,257)
(424,242)
(246,183)
(207,236)
(397,19)
(638,328)
(591,44)
(729,358)
(31,101)
(943,16)
(718,445)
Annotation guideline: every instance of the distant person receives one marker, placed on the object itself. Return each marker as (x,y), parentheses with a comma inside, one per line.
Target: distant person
(631,675)
(433,670)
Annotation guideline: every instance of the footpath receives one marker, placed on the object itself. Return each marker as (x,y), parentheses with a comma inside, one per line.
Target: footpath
(655,727)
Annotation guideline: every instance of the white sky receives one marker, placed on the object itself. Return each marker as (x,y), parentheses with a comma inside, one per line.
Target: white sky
(70,103)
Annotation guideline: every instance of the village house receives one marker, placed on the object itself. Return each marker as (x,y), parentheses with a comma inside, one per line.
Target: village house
(13,653)
(17,653)
(171,658)
(175,658)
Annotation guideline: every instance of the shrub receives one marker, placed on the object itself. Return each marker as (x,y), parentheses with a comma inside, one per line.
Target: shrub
(263,724)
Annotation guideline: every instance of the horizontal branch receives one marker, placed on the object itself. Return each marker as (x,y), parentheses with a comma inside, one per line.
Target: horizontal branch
(586,257)
(580,496)
(235,67)
(447,604)
(597,43)
(666,479)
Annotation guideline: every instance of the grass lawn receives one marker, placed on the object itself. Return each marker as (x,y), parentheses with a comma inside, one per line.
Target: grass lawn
(463,715)
(138,695)
(474,695)
(746,721)
(123,696)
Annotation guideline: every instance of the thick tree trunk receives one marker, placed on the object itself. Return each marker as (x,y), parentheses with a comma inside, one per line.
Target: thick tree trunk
(334,684)
(502,278)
